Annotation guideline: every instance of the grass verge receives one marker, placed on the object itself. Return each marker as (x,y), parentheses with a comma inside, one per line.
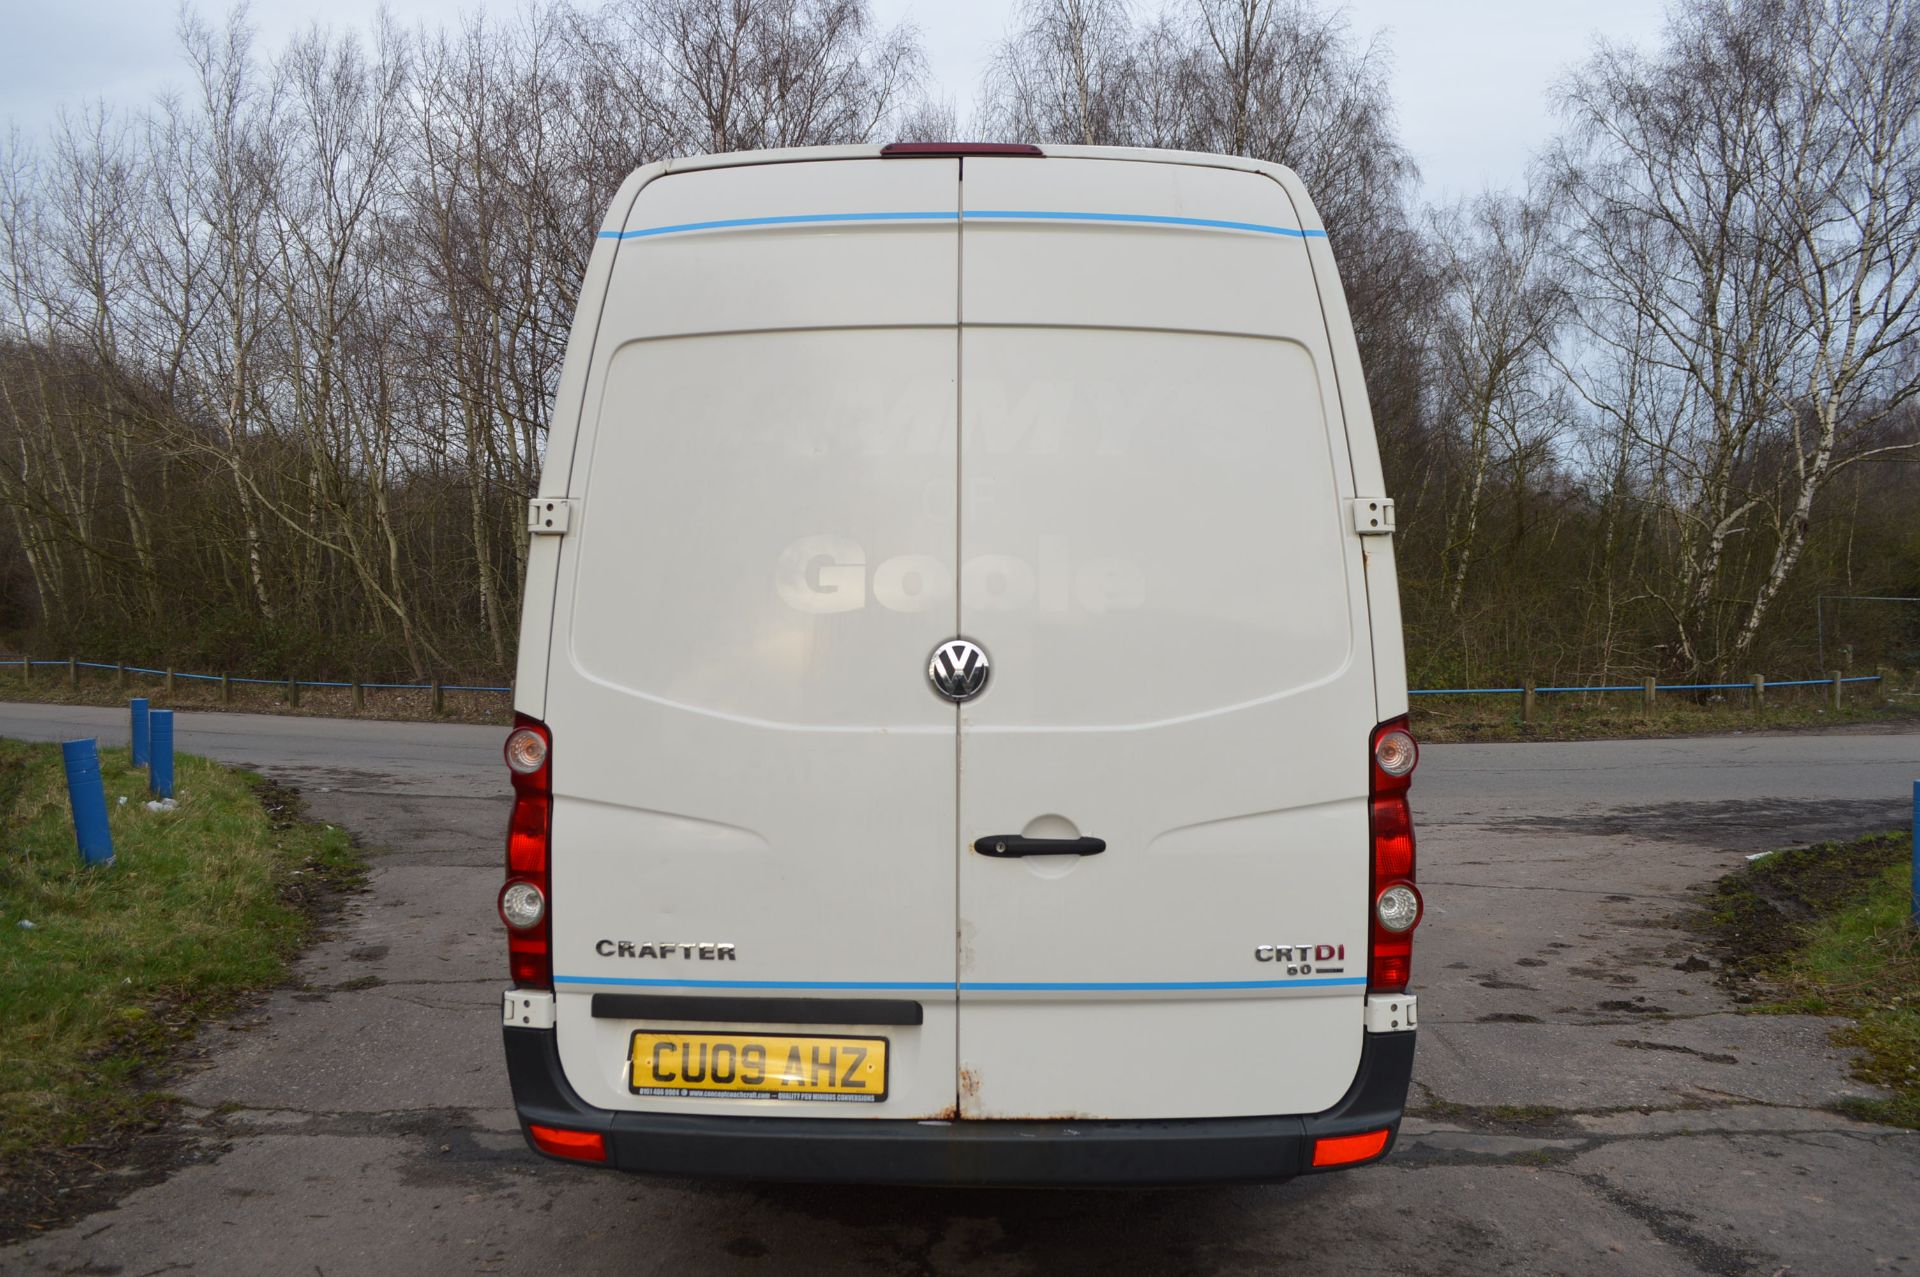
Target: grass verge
(1823,930)
(121,965)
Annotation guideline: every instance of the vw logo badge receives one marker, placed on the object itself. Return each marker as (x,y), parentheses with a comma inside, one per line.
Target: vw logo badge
(958,670)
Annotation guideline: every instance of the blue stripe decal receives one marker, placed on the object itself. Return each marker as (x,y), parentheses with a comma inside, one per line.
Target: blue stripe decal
(796,219)
(1145,219)
(968,987)
(993,214)
(996,986)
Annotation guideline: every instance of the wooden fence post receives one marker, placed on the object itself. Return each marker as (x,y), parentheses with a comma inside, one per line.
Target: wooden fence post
(226,689)
(293,693)
(26,668)
(439,698)
(73,673)
(169,682)
(1837,685)
(120,676)
(359,697)
(1526,701)
(1759,692)
(1648,688)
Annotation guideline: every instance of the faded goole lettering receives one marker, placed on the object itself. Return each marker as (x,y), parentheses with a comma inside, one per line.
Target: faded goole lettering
(825,574)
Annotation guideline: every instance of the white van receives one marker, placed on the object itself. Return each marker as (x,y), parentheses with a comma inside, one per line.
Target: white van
(961,702)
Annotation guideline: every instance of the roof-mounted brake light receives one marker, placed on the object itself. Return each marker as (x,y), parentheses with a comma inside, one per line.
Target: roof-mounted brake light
(901,150)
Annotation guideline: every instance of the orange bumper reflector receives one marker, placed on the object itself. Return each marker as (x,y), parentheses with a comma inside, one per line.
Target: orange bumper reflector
(1344,1150)
(581,1146)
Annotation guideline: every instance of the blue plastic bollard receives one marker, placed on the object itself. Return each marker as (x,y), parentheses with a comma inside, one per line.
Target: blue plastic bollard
(88,795)
(141,743)
(160,767)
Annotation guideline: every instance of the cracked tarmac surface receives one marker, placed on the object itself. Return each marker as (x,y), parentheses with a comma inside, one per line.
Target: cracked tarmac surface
(1586,1099)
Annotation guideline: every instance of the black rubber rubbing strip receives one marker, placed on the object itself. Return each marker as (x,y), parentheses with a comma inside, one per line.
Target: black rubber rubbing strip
(722,1010)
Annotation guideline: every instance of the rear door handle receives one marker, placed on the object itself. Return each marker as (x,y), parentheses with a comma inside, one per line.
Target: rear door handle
(1008,845)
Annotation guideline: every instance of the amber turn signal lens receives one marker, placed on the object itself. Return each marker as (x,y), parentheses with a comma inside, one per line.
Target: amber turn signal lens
(1395,752)
(526,751)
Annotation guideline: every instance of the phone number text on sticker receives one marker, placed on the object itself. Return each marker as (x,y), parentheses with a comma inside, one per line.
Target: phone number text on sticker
(757,1066)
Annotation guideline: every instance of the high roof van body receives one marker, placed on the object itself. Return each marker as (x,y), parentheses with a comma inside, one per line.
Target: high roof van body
(961,704)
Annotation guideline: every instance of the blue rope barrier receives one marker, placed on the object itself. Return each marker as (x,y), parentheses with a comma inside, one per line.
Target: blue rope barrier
(1636,687)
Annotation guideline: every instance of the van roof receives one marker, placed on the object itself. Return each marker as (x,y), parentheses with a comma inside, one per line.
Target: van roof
(872,150)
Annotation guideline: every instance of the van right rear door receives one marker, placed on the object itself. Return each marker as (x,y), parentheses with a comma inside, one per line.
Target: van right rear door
(1159,564)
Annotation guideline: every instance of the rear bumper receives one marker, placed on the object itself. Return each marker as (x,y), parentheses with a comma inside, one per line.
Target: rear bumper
(856,1150)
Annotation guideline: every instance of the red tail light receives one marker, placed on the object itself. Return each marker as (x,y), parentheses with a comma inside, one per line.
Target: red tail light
(1393,904)
(529,835)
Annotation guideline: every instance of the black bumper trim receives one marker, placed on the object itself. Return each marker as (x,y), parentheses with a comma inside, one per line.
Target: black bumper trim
(703,1007)
(868,1150)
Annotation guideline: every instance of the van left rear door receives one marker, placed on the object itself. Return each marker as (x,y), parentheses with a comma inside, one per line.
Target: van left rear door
(754,788)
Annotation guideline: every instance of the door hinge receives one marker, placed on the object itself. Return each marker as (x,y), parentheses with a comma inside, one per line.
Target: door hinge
(527,1009)
(1392,1012)
(549,516)
(1373,516)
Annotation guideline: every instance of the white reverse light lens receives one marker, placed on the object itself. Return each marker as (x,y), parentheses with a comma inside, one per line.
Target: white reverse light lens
(1396,753)
(1398,908)
(526,751)
(522,905)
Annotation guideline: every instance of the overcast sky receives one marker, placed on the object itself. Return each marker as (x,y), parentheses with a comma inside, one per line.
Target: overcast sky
(1471,77)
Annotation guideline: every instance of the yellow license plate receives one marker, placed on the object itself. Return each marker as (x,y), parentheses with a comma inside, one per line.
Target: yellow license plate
(757,1066)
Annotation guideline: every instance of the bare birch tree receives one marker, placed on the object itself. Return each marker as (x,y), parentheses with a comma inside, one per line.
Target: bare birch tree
(1500,309)
(1746,200)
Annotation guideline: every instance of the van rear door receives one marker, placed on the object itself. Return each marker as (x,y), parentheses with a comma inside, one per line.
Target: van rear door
(754,785)
(1154,482)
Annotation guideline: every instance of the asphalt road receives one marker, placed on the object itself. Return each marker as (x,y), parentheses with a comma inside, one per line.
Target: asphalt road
(358,1121)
